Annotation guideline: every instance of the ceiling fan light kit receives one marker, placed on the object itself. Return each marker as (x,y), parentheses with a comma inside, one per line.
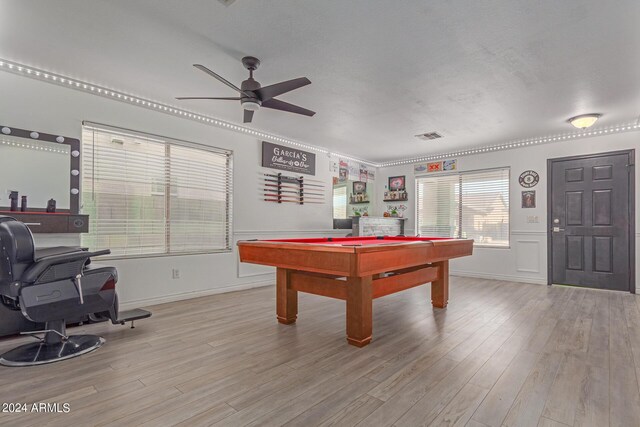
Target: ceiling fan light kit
(251,105)
(253,96)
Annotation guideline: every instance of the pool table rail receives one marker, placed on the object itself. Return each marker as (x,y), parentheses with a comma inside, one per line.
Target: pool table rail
(358,261)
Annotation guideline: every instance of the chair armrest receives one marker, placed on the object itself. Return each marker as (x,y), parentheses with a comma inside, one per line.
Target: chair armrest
(41,265)
(41,253)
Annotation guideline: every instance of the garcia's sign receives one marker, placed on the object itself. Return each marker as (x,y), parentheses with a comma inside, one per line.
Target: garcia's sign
(288,159)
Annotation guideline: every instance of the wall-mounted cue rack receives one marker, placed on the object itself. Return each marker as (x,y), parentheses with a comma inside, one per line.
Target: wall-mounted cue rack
(280,188)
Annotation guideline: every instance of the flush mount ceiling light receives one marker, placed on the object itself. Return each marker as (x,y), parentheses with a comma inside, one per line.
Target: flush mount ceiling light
(584,121)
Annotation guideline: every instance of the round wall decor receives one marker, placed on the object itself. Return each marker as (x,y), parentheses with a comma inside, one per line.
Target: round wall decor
(529,179)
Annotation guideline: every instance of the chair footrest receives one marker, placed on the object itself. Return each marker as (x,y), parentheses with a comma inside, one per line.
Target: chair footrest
(130,315)
(40,353)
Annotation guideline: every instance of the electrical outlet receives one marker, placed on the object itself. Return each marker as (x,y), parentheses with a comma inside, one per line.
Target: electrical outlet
(175,273)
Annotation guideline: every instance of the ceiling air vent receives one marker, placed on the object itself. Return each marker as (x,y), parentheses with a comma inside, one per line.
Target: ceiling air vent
(429,136)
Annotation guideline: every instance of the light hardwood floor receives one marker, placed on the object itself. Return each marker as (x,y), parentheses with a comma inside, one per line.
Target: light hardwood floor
(502,353)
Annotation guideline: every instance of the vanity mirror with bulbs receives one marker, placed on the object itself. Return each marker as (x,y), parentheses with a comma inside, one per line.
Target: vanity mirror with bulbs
(40,180)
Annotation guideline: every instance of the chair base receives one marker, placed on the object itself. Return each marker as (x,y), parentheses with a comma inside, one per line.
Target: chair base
(40,353)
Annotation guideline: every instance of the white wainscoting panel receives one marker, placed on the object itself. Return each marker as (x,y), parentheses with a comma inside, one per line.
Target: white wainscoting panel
(528,256)
(524,261)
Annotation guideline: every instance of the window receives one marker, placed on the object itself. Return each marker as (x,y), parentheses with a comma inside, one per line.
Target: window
(340,202)
(149,195)
(472,205)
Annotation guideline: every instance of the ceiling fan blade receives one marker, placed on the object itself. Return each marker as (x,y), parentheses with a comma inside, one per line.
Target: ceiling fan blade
(276,104)
(220,78)
(268,92)
(207,97)
(248,115)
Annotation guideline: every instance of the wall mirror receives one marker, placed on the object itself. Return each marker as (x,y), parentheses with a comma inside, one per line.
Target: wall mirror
(40,166)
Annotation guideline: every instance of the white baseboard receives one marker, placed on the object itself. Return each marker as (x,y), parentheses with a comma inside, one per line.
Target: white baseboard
(189,295)
(507,277)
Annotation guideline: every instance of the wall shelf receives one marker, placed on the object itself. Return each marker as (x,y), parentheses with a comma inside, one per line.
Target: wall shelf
(395,200)
(358,203)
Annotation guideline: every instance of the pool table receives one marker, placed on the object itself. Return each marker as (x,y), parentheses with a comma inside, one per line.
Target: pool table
(356,270)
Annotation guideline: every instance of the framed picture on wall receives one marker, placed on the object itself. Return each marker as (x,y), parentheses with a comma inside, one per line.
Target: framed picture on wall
(449,165)
(359,187)
(434,166)
(529,199)
(343,174)
(397,183)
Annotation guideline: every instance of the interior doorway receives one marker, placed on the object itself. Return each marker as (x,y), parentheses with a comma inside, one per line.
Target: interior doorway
(591,220)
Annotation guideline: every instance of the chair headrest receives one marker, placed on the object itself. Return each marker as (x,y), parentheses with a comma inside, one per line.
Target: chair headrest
(16,241)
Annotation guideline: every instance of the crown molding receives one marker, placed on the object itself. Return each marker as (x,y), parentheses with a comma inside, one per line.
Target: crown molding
(520,143)
(117,95)
(138,101)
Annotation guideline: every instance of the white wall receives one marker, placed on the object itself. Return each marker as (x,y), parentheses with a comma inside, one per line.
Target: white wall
(526,259)
(31,104)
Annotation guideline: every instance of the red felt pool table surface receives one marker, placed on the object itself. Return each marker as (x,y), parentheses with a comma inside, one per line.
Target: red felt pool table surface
(361,241)
(356,270)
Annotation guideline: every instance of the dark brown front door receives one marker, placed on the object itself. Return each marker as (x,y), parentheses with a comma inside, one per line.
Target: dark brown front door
(590,213)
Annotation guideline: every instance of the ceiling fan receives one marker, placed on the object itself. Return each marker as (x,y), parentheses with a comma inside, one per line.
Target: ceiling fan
(253,96)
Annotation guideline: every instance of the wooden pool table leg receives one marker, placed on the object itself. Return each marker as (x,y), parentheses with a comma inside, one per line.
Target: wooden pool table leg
(287,298)
(440,287)
(359,310)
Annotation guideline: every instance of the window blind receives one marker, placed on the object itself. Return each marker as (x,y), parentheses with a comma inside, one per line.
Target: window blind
(472,205)
(148,195)
(340,202)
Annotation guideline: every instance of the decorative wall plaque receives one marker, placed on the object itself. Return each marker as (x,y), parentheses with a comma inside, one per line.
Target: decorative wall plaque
(529,179)
(289,159)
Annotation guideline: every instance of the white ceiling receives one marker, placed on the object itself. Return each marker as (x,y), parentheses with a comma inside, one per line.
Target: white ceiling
(478,72)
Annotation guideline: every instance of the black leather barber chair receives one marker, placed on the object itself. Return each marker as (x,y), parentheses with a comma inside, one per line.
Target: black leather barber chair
(55,286)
